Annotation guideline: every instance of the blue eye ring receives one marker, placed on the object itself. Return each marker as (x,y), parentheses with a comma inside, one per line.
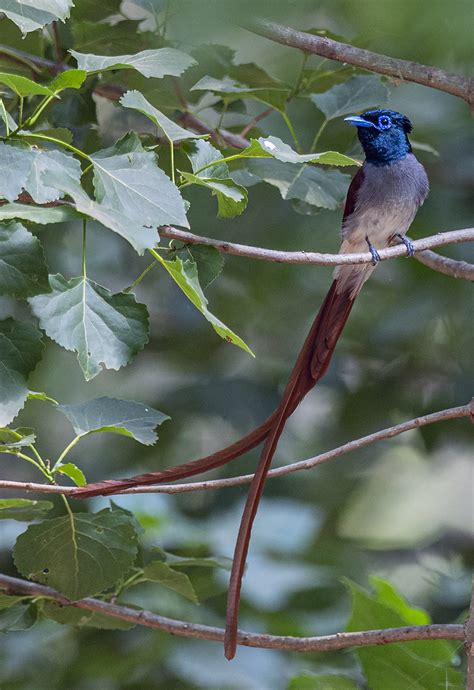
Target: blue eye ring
(384,122)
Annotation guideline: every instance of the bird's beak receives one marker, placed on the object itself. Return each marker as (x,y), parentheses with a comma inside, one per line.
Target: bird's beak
(358,121)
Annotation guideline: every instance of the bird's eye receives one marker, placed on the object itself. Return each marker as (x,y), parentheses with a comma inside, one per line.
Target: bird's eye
(384,122)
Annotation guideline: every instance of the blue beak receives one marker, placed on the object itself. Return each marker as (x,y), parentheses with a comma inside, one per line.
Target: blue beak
(358,121)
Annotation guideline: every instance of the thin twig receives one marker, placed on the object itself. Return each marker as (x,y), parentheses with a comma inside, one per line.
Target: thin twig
(469,642)
(324,643)
(434,77)
(255,120)
(390,432)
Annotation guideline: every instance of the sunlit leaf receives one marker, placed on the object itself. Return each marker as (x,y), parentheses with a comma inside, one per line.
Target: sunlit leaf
(124,417)
(23,271)
(150,63)
(83,541)
(69,469)
(69,79)
(23,509)
(102,328)
(16,438)
(23,86)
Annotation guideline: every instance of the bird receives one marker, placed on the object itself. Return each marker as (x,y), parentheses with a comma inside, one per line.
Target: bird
(382,201)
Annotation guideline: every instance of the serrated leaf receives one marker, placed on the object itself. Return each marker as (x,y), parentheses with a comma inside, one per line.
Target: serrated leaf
(151,63)
(276,148)
(23,86)
(16,438)
(23,271)
(78,554)
(172,131)
(124,417)
(69,469)
(354,95)
(70,615)
(209,262)
(420,665)
(322,188)
(185,276)
(30,16)
(127,180)
(38,214)
(23,509)
(159,571)
(231,197)
(21,349)
(201,155)
(326,681)
(69,79)
(102,328)
(230,90)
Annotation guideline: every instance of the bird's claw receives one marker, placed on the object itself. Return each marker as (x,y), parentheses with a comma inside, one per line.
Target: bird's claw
(373,251)
(407,242)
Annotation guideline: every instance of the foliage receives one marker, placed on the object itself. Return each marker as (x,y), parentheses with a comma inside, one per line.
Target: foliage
(97,135)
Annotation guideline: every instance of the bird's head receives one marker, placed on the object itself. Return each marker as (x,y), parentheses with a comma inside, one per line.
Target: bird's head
(383,135)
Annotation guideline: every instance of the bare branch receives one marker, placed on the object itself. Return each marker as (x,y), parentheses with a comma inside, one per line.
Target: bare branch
(469,643)
(443,264)
(323,643)
(434,77)
(390,432)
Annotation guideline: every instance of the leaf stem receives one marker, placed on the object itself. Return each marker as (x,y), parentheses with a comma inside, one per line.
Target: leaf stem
(140,277)
(84,247)
(289,124)
(40,466)
(38,112)
(64,144)
(297,88)
(69,447)
(68,507)
(20,111)
(317,135)
(173,175)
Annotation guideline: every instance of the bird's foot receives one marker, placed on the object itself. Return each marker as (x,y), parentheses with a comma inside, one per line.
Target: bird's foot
(407,242)
(373,251)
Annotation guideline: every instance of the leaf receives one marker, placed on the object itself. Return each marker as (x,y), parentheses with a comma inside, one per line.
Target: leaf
(9,123)
(78,554)
(209,262)
(102,328)
(30,16)
(37,214)
(323,188)
(69,469)
(172,131)
(23,86)
(273,147)
(186,277)
(326,681)
(69,79)
(189,562)
(124,417)
(23,509)
(127,180)
(159,571)
(23,271)
(354,95)
(201,154)
(151,63)
(36,395)
(231,197)
(21,349)
(419,665)
(230,90)
(423,146)
(19,616)
(16,438)
(61,133)
(70,615)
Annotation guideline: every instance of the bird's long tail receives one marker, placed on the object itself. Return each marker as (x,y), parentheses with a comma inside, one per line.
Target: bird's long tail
(311,366)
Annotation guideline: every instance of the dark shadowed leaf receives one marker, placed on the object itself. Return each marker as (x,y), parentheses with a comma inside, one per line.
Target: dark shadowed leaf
(124,417)
(231,197)
(16,438)
(310,681)
(102,328)
(23,271)
(209,262)
(98,549)
(230,90)
(23,509)
(161,572)
(69,615)
(21,615)
(21,349)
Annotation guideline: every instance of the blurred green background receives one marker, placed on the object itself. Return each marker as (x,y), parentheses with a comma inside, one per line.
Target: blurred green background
(400,508)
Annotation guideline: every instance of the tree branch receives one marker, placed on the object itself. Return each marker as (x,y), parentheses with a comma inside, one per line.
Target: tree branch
(434,77)
(443,264)
(469,643)
(390,432)
(323,643)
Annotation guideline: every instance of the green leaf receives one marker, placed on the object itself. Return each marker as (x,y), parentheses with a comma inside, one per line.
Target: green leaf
(230,90)
(186,277)
(159,571)
(70,615)
(322,188)
(189,562)
(172,131)
(354,95)
(21,349)
(19,616)
(326,681)
(124,417)
(421,665)
(23,86)
(102,328)
(61,133)
(423,146)
(127,180)
(37,395)
(9,123)
(231,197)
(69,79)
(37,214)
(273,147)
(151,63)
(23,509)
(69,469)
(209,262)
(78,554)
(23,271)
(16,438)
(201,154)
(29,16)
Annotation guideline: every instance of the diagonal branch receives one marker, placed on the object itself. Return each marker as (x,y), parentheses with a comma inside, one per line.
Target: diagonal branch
(324,643)
(434,77)
(390,432)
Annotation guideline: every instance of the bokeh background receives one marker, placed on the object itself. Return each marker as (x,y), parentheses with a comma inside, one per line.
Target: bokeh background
(400,508)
